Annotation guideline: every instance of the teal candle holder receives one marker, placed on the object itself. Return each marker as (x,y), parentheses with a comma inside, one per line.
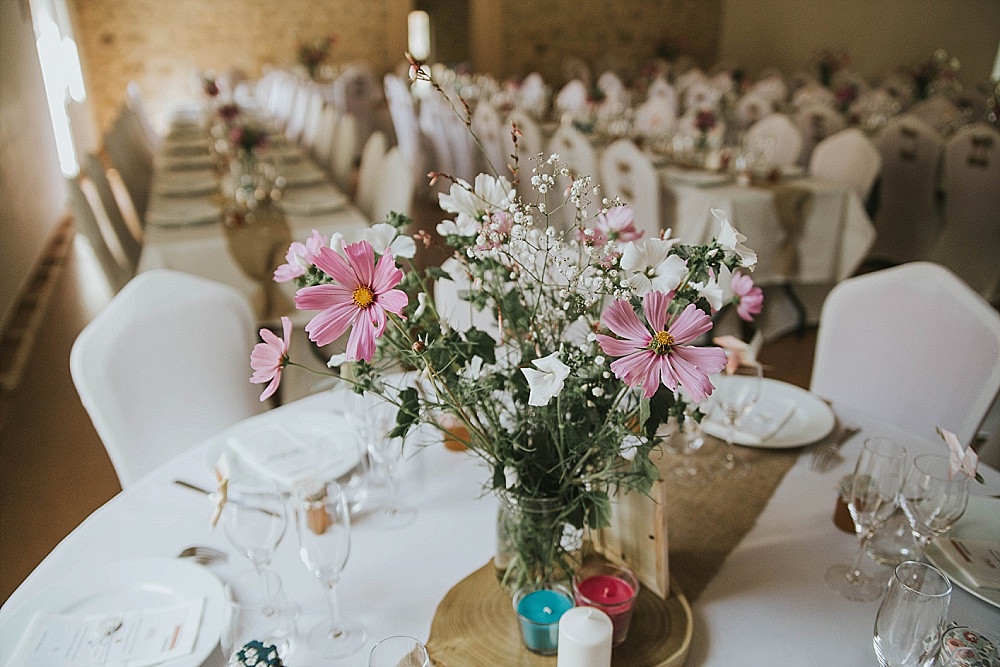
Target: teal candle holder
(539,608)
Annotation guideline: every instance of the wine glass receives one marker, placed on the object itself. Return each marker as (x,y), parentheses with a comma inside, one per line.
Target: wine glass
(385,453)
(878,476)
(323,524)
(263,614)
(933,498)
(686,440)
(736,395)
(911,618)
(254,520)
(399,651)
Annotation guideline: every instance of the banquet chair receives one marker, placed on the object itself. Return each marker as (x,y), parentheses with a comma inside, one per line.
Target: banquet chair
(611,85)
(132,158)
(629,174)
(572,98)
(395,188)
(298,110)
(847,157)
(529,146)
(343,151)
(96,230)
(971,233)
(488,127)
(130,244)
(323,146)
(915,344)
(464,152)
(751,108)
(533,95)
(655,117)
(403,114)
(771,86)
(370,172)
(938,112)
(908,219)
(356,92)
(701,95)
(813,93)
(164,366)
(778,132)
(659,88)
(575,68)
(141,117)
(432,126)
(577,154)
(314,111)
(816,122)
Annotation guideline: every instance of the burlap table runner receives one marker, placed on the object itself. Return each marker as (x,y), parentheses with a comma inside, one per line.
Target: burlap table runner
(792,204)
(258,241)
(705,523)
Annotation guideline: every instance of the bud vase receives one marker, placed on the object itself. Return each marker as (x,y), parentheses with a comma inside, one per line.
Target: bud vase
(535,543)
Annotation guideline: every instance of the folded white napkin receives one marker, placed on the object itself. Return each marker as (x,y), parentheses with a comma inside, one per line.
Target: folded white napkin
(977,560)
(766,419)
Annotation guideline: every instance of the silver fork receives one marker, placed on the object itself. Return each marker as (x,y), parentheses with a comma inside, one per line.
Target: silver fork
(826,456)
(203,555)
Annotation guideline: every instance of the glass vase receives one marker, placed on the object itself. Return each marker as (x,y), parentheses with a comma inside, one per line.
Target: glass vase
(535,544)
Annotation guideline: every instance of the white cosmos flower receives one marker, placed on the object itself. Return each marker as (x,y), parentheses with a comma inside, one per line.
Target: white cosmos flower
(649,266)
(463,226)
(421,305)
(712,291)
(547,381)
(510,477)
(629,447)
(384,236)
(472,202)
(732,240)
(336,360)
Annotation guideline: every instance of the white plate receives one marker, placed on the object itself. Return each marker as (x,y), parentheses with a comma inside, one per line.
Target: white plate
(979,522)
(127,585)
(313,201)
(811,420)
(288,446)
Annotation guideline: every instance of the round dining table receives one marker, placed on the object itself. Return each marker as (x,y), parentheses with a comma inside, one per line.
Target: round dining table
(768,605)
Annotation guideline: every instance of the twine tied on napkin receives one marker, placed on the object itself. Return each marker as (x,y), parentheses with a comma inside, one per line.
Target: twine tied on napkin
(792,204)
(257,241)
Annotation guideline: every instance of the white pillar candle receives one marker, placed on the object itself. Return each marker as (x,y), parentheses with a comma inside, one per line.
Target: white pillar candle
(584,638)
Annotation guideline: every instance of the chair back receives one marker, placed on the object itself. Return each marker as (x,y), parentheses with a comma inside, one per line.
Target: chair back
(913,342)
(816,122)
(773,87)
(323,146)
(938,112)
(533,96)
(395,191)
(848,157)
(370,173)
(572,98)
(575,151)
(299,109)
(164,366)
(344,151)
(778,134)
(93,226)
(356,92)
(628,173)
(971,234)
(813,93)
(314,113)
(529,145)
(751,108)
(656,117)
(908,220)
(132,157)
(130,245)
(403,114)
(488,127)
(701,95)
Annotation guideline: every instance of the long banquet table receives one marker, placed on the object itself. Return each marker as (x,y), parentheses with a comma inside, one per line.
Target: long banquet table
(768,605)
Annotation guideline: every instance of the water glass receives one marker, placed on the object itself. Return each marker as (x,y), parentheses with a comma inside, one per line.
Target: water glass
(254,520)
(933,498)
(911,619)
(736,396)
(399,651)
(258,609)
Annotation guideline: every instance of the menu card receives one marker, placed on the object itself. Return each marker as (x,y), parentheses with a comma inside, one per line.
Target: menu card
(980,561)
(136,638)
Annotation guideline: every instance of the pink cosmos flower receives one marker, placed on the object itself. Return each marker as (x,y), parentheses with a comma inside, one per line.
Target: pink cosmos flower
(361,295)
(649,358)
(299,258)
(618,224)
(269,357)
(749,297)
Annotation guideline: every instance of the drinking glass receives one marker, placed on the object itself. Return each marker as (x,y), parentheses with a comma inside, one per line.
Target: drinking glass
(687,440)
(878,476)
(323,524)
(255,612)
(932,498)
(736,395)
(910,620)
(399,651)
(254,520)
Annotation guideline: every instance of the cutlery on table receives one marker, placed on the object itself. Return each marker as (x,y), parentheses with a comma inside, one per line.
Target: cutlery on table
(203,555)
(195,487)
(826,455)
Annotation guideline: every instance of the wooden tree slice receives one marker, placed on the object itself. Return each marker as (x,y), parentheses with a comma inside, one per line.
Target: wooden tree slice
(475,626)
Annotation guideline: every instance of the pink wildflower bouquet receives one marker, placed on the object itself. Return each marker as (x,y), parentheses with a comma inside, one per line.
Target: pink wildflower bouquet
(586,338)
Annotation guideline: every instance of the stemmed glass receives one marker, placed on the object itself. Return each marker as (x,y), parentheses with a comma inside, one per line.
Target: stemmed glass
(933,498)
(254,520)
(736,395)
(399,651)
(687,440)
(878,476)
(911,618)
(323,524)
(374,424)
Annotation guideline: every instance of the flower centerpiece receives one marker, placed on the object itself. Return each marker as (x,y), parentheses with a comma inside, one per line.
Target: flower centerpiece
(312,55)
(705,121)
(586,342)
(830,62)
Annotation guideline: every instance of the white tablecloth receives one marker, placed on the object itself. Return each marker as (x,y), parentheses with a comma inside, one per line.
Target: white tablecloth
(768,606)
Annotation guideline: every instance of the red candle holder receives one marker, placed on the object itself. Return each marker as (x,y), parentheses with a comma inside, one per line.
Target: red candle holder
(611,588)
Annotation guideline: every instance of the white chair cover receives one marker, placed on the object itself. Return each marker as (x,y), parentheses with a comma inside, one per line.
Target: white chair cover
(356,92)
(629,174)
(94,228)
(314,112)
(395,191)
(572,98)
(403,113)
(751,108)
(915,341)
(164,366)
(489,128)
(848,157)
(900,86)
(773,88)
(370,172)
(575,151)
(129,243)
(345,137)
(688,79)
(614,90)
(811,94)
(971,236)
(780,135)
(938,112)
(655,117)
(323,147)
(659,88)
(575,68)
(464,152)
(529,146)
(701,95)
(908,219)
(874,108)
(722,81)
(299,110)
(816,122)
(533,96)
(432,125)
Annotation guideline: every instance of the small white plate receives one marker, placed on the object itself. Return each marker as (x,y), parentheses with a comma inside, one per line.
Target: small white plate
(980,523)
(126,585)
(811,420)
